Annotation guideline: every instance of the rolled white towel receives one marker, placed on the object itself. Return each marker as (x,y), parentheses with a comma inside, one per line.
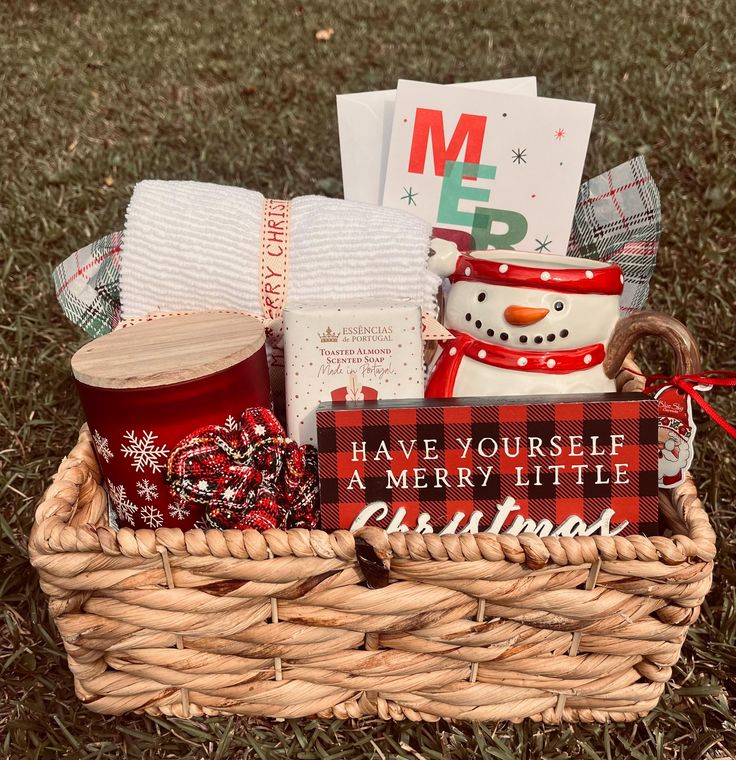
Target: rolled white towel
(193,245)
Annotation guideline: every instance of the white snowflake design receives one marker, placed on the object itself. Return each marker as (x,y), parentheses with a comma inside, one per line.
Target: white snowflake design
(228,493)
(231,424)
(124,507)
(143,451)
(178,512)
(203,485)
(151,516)
(102,446)
(147,490)
(259,430)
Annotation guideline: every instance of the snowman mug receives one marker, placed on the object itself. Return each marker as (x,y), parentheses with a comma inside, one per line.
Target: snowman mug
(536,324)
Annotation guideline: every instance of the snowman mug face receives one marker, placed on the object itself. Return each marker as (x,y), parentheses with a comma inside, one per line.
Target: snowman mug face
(529,317)
(528,323)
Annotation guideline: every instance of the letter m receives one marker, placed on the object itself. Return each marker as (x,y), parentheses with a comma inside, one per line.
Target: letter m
(469,131)
(394,481)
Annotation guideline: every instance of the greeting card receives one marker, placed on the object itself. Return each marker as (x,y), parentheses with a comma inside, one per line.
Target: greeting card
(504,168)
(365,120)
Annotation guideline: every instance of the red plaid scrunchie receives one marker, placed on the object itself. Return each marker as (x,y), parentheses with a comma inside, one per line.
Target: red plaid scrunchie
(247,474)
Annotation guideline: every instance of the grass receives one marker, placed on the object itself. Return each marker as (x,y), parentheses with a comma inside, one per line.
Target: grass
(94,97)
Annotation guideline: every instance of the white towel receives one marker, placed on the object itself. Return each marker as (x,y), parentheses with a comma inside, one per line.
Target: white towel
(192,246)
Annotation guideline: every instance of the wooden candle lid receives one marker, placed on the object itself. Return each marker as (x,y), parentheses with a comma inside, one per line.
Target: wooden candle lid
(168,350)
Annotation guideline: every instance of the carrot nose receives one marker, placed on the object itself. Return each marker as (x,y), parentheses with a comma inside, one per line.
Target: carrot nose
(524,315)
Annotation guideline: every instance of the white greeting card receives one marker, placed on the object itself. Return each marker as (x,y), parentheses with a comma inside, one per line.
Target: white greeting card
(365,119)
(504,168)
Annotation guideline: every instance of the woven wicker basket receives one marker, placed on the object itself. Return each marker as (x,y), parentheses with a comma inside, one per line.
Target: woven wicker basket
(281,624)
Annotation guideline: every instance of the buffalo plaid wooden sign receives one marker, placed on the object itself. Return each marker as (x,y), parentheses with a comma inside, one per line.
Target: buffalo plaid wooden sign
(565,466)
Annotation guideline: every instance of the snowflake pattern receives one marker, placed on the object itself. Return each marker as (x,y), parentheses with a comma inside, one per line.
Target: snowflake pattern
(229,494)
(147,490)
(151,516)
(231,424)
(143,451)
(178,511)
(124,507)
(259,430)
(102,447)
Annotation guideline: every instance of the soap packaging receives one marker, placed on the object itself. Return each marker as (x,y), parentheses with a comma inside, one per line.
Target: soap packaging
(354,351)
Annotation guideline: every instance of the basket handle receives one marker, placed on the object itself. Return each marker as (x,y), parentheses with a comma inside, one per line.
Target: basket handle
(629,329)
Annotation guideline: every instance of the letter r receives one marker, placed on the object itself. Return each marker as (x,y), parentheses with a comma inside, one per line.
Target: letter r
(515,232)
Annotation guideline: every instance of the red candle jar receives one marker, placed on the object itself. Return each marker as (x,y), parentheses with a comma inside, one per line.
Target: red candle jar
(145,387)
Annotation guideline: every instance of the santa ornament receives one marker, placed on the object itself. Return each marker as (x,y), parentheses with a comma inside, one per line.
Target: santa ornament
(676,435)
(531,324)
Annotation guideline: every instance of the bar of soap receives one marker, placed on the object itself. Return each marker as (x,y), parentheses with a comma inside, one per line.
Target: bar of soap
(359,350)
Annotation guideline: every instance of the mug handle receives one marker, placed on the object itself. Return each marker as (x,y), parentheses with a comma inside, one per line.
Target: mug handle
(629,329)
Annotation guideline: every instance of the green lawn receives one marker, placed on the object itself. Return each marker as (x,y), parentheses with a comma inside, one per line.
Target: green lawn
(94,97)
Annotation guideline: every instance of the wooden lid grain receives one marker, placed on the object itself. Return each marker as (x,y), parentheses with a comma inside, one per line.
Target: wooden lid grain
(168,350)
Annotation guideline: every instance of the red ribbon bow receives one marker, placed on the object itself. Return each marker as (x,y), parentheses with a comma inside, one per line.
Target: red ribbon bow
(721,378)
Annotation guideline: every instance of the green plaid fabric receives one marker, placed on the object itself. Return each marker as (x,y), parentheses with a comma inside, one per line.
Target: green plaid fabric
(88,285)
(618,218)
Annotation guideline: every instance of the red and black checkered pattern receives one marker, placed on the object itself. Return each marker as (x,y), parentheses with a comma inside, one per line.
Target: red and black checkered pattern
(246,475)
(427,439)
